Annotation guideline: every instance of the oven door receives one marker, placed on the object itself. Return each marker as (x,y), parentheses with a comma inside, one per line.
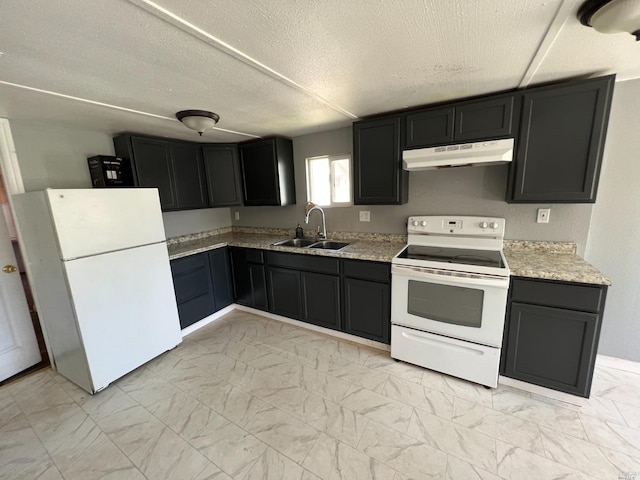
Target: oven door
(449,303)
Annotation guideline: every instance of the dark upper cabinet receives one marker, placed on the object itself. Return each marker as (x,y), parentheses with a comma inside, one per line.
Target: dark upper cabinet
(377,162)
(223,175)
(551,334)
(474,120)
(249,277)
(284,292)
(188,174)
(431,127)
(484,119)
(267,172)
(562,136)
(221,277)
(321,299)
(175,168)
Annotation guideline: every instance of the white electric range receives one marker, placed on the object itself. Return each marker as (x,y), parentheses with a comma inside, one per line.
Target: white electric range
(449,296)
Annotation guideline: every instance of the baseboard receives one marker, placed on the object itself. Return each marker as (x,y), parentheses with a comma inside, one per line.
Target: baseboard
(207,320)
(542,391)
(618,363)
(315,328)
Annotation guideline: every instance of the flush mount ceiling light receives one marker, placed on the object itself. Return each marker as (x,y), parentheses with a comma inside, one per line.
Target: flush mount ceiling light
(198,120)
(611,16)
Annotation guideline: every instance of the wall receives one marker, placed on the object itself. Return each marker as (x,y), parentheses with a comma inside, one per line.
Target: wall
(614,238)
(466,191)
(56,157)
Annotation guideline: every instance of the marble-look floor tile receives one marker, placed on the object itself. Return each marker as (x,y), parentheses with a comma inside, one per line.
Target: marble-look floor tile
(630,414)
(516,463)
(469,445)
(378,407)
(173,409)
(406,371)
(39,392)
(586,457)
(458,388)
(146,387)
(232,403)
(272,465)
(346,350)
(612,435)
(211,472)
(331,459)
(283,432)
(281,395)
(368,378)
(542,413)
(107,402)
(319,383)
(623,387)
(333,419)
(9,410)
(228,446)
(460,470)
(419,396)
(498,425)
(403,453)
(594,406)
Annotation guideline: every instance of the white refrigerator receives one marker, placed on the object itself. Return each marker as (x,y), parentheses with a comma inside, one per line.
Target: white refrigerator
(98,265)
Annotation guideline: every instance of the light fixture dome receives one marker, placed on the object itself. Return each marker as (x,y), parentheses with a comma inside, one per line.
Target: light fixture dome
(611,16)
(198,120)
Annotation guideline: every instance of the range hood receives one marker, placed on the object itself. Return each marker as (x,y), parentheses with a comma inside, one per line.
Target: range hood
(492,152)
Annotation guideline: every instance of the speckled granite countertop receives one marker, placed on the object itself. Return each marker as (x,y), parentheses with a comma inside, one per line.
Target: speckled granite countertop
(380,248)
(551,261)
(545,260)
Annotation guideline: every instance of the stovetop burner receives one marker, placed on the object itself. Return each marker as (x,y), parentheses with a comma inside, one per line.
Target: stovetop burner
(461,256)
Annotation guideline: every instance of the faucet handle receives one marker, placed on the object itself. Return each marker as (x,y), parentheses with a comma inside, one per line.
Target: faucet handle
(319,233)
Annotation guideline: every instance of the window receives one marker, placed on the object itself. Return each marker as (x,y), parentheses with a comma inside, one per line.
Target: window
(329,180)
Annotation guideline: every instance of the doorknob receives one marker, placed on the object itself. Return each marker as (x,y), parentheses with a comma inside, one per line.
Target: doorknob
(9,269)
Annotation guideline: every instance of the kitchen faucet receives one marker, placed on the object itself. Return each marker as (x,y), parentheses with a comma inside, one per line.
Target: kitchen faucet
(310,207)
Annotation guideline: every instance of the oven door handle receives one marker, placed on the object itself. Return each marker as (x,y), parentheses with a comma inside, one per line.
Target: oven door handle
(427,274)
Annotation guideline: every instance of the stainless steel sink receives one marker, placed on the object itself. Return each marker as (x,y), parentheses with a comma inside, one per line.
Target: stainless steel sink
(329,245)
(295,242)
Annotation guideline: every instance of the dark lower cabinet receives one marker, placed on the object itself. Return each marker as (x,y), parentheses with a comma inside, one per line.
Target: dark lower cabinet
(202,285)
(561,142)
(249,277)
(551,334)
(284,292)
(321,299)
(367,299)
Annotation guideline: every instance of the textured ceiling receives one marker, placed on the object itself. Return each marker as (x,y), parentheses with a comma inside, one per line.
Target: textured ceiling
(282,67)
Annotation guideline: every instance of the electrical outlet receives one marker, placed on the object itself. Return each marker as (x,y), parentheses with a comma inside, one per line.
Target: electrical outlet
(543,215)
(365,216)
(237,215)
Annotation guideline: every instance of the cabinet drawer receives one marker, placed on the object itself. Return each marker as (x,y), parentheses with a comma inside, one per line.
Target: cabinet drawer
(375,271)
(254,256)
(581,297)
(310,263)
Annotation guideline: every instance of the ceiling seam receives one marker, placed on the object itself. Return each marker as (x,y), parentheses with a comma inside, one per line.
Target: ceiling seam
(555,27)
(221,45)
(114,107)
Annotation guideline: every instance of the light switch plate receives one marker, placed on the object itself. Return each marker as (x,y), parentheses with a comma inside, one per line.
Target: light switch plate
(543,215)
(365,216)
(237,215)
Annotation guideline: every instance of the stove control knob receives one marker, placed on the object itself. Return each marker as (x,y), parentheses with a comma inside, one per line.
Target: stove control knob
(415,223)
(494,225)
(423,223)
(484,224)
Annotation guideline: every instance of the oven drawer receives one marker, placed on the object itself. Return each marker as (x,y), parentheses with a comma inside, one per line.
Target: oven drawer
(470,361)
(579,297)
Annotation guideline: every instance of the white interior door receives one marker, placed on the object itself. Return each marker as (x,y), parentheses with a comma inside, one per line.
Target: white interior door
(18,343)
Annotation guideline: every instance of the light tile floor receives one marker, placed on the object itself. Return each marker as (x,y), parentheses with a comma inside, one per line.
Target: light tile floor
(252,398)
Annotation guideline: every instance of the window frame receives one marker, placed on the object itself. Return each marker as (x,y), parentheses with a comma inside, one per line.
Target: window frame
(331,159)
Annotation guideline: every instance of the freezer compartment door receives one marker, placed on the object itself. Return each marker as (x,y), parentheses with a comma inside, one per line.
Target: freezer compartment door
(94,221)
(126,309)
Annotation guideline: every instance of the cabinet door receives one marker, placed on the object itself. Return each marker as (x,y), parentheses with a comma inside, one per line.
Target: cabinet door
(258,282)
(194,291)
(321,299)
(561,141)
(188,174)
(220,278)
(284,292)
(428,128)
(153,168)
(484,119)
(367,311)
(223,175)
(260,173)
(552,347)
(378,175)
